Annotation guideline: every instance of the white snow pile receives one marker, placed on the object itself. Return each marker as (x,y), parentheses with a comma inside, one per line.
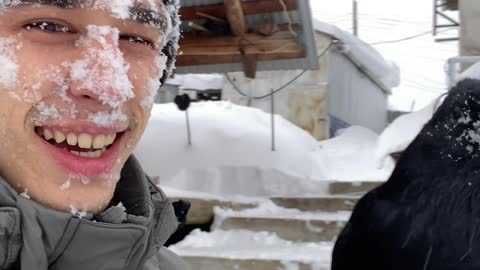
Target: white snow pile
(401,132)
(350,157)
(385,71)
(198,81)
(238,244)
(231,153)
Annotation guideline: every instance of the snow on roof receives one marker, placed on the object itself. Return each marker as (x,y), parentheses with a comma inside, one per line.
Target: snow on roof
(231,153)
(198,81)
(401,132)
(383,71)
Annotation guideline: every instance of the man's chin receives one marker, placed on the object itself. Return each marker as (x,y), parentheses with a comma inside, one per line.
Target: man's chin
(76,193)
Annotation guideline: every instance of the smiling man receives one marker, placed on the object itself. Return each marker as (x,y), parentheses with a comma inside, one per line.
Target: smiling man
(77,82)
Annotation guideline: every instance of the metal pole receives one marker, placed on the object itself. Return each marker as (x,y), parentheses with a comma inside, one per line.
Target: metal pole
(188,128)
(272,107)
(434,29)
(355,18)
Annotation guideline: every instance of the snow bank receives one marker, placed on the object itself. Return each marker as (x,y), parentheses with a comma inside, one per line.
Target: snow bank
(237,244)
(401,132)
(224,135)
(231,153)
(350,157)
(245,181)
(385,71)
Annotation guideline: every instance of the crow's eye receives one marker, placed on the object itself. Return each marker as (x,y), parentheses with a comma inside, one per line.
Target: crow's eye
(50,27)
(137,39)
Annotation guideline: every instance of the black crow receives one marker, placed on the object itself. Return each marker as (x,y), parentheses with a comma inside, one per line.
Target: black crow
(427,215)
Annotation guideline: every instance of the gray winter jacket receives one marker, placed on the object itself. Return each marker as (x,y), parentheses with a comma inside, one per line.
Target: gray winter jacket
(33,237)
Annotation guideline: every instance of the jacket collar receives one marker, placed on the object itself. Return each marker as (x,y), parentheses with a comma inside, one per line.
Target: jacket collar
(40,238)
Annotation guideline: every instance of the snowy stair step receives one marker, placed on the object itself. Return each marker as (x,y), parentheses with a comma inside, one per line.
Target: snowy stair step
(288,224)
(201,211)
(330,204)
(247,250)
(212,263)
(288,229)
(352,188)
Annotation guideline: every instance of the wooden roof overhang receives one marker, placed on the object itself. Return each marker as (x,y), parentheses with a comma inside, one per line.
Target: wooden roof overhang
(219,34)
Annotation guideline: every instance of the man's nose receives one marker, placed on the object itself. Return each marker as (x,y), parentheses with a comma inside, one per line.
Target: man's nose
(100,72)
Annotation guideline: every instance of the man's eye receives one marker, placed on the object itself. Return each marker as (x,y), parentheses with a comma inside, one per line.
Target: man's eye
(137,39)
(48,27)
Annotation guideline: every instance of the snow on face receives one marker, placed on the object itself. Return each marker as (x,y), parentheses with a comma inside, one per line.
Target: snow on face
(118,8)
(8,76)
(153,84)
(103,69)
(45,112)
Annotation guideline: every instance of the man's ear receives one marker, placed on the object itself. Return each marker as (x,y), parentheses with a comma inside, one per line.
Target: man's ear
(171,53)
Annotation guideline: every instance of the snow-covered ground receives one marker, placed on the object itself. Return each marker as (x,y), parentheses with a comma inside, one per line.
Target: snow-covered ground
(400,31)
(231,153)
(243,244)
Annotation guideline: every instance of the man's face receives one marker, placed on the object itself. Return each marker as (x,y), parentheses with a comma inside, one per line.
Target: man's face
(77,81)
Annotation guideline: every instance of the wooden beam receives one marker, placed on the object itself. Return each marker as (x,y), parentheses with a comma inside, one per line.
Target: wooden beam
(202,58)
(203,39)
(228,50)
(249,62)
(235,17)
(249,8)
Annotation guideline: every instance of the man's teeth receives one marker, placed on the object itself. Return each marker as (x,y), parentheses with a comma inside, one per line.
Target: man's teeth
(83,140)
(90,154)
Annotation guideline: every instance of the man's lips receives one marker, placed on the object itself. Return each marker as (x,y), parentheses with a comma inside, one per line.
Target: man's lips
(81,153)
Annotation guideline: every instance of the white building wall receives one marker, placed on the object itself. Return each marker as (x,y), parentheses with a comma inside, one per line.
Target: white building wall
(470,32)
(353,97)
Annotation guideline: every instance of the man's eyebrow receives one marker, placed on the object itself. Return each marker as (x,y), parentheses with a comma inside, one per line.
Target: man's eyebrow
(150,17)
(56,3)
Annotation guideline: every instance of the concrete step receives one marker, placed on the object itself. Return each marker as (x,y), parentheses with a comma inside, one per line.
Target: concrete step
(352,188)
(248,250)
(328,204)
(212,263)
(201,211)
(344,196)
(306,230)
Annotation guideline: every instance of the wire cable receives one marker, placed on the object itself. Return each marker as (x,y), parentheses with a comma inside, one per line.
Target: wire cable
(406,38)
(278,89)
